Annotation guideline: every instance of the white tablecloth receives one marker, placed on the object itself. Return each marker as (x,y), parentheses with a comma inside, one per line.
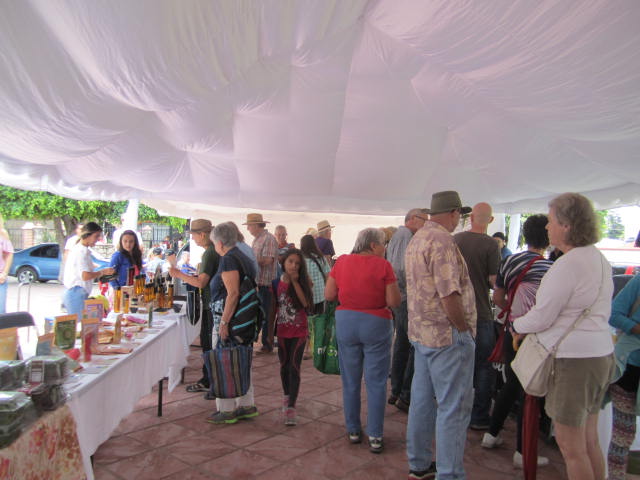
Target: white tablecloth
(100,401)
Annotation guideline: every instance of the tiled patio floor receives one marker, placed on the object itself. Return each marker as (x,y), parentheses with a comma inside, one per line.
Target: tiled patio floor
(181,445)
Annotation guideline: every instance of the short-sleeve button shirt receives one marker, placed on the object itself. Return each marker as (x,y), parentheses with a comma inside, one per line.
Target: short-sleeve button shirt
(266,245)
(435,269)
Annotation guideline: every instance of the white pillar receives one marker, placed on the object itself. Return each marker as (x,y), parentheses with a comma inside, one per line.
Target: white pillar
(130,216)
(498,224)
(514,232)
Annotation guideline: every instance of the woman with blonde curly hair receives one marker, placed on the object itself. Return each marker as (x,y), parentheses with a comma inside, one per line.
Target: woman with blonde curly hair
(575,297)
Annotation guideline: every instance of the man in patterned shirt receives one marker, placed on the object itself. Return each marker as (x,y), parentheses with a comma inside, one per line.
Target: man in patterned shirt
(442,322)
(265,248)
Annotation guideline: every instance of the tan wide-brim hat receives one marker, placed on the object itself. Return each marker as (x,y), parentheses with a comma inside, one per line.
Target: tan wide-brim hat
(324,225)
(446,201)
(200,225)
(254,218)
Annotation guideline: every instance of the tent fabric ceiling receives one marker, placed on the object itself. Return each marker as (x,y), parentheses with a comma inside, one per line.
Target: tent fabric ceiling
(347,106)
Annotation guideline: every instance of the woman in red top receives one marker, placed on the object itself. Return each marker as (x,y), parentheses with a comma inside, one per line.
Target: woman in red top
(366,287)
(293,297)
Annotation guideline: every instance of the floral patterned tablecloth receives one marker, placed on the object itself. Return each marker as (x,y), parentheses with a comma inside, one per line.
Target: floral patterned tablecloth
(47,450)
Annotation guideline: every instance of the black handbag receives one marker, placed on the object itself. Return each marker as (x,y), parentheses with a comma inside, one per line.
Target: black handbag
(194,304)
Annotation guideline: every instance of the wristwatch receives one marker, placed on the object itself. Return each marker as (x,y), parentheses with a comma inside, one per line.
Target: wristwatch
(222,322)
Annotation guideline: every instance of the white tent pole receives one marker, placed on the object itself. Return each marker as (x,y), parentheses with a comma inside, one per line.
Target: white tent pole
(130,216)
(514,232)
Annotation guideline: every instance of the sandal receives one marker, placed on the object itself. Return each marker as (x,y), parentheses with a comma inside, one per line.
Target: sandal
(197,387)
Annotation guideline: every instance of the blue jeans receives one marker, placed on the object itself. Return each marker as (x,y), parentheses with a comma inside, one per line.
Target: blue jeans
(73,300)
(402,361)
(364,341)
(441,397)
(484,375)
(3,296)
(264,294)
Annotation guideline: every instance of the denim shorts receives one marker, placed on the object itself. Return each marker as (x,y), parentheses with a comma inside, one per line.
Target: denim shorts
(578,388)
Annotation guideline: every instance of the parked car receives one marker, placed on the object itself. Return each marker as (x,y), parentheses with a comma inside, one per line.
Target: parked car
(42,262)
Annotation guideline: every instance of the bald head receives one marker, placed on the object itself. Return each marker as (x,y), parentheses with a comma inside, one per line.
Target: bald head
(481,217)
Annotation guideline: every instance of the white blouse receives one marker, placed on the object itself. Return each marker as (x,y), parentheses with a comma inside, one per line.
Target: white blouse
(579,279)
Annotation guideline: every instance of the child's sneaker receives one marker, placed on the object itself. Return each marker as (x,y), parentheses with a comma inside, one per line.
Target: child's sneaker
(290,417)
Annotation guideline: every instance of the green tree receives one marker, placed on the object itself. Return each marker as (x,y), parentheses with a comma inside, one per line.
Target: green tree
(615,227)
(66,213)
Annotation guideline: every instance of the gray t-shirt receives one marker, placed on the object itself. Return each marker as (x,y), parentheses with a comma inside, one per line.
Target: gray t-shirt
(395,256)
(482,255)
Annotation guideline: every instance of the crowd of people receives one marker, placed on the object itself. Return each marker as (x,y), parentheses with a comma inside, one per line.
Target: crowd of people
(414,304)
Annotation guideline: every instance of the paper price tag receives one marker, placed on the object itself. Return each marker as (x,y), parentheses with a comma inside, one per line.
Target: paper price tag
(36,371)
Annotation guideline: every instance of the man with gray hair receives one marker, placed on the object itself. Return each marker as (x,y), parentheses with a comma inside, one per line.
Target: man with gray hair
(402,361)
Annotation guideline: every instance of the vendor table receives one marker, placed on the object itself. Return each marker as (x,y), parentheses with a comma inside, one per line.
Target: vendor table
(48,449)
(100,401)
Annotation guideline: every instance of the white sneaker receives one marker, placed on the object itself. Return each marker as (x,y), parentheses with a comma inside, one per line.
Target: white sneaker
(517,460)
(489,441)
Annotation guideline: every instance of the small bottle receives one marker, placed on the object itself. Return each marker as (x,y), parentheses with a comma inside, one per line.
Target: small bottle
(125,308)
(133,304)
(160,297)
(117,300)
(170,296)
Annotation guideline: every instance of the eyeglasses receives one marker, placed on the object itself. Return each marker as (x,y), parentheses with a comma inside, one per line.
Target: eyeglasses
(421,218)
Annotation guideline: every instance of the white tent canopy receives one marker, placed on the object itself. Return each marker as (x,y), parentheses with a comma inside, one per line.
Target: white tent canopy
(347,106)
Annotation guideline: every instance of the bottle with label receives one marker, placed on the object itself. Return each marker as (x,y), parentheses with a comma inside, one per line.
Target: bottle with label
(117,300)
(170,296)
(160,296)
(125,307)
(133,304)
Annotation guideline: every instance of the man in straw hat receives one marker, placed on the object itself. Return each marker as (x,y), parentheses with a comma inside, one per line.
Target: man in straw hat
(442,321)
(265,248)
(200,233)
(323,240)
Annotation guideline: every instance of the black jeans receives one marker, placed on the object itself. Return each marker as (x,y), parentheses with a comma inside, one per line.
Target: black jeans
(265,295)
(402,360)
(206,328)
(290,352)
(510,392)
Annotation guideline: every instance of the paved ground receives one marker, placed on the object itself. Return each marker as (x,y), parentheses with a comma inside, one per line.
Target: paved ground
(45,299)
(182,445)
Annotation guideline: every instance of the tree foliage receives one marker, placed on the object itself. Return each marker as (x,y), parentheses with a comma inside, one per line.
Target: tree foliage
(16,203)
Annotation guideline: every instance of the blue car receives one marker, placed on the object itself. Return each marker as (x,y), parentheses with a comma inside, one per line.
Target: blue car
(41,263)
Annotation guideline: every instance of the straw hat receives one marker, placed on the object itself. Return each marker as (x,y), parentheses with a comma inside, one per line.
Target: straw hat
(200,225)
(445,202)
(254,218)
(324,225)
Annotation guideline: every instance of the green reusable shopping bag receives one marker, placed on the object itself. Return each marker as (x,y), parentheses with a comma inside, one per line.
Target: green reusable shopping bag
(325,345)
